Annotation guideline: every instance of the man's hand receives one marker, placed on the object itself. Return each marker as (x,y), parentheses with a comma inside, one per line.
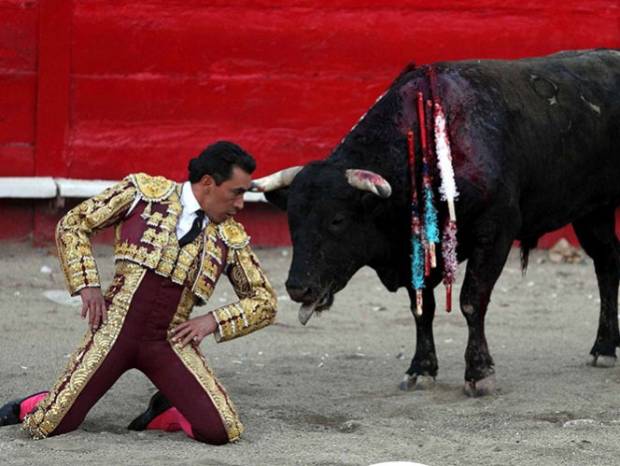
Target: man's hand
(195,329)
(93,305)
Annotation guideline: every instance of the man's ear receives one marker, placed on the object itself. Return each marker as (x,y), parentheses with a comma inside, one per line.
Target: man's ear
(278,197)
(206,184)
(207,180)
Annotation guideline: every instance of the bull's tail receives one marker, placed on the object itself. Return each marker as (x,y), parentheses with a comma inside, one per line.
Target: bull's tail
(527,244)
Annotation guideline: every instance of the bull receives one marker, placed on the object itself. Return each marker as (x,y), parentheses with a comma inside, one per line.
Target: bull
(535,146)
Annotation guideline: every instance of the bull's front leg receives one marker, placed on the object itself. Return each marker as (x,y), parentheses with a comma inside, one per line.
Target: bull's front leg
(485,264)
(423,369)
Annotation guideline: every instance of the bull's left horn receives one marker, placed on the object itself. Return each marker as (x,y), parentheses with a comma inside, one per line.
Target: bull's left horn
(369,181)
(276,180)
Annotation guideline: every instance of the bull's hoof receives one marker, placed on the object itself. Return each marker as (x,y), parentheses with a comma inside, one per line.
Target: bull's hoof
(482,387)
(603,361)
(425,382)
(408,382)
(417,382)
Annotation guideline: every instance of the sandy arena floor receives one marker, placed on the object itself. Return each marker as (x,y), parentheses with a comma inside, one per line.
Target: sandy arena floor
(327,393)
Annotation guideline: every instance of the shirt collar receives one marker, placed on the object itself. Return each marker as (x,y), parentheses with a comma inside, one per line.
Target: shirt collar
(188,200)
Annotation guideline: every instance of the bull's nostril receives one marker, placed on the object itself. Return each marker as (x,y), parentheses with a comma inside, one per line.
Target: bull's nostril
(297,293)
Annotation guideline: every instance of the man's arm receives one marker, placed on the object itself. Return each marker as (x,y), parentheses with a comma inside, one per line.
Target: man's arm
(257,303)
(255,309)
(75,253)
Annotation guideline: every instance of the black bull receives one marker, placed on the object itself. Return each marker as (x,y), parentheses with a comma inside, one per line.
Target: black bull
(535,146)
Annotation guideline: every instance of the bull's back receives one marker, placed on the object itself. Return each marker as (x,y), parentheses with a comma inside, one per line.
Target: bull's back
(546,128)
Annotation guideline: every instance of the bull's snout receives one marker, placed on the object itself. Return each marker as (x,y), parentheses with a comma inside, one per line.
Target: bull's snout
(298,292)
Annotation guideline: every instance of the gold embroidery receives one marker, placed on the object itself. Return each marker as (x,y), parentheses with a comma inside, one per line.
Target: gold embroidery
(155,219)
(165,267)
(211,270)
(149,235)
(210,265)
(195,362)
(161,239)
(216,254)
(89,356)
(233,234)
(75,228)
(257,305)
(152,188)
(162,244)
(184,309)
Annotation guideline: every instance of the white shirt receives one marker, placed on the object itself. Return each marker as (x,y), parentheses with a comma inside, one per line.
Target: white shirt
(190,205)
(188,214)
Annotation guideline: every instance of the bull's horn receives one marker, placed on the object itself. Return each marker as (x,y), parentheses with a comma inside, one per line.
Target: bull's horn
(276,180)
(369,181)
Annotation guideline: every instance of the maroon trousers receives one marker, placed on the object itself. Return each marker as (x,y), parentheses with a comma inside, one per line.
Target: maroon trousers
(142,345)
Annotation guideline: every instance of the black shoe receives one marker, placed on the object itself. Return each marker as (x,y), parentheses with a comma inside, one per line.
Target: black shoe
(9,413)
(158,404)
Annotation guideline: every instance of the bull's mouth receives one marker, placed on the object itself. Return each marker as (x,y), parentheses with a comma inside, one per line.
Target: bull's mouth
(307,309)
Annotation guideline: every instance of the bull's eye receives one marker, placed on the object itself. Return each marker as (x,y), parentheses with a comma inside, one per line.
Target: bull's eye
(337,223)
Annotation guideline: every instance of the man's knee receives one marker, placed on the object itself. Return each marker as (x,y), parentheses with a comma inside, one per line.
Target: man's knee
(210,436)
(211,430)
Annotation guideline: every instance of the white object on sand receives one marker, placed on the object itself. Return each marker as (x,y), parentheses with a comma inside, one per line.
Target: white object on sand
(62,297)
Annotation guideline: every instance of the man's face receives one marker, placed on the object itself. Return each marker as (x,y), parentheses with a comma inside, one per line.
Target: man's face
(223,201)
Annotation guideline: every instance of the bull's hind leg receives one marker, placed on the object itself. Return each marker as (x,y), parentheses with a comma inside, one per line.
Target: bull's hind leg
(488,256)
(423,368)
(596,233)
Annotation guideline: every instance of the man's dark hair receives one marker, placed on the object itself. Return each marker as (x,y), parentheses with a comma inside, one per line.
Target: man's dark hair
(218,160)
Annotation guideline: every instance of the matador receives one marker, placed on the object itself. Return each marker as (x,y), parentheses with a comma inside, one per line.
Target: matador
(172,243)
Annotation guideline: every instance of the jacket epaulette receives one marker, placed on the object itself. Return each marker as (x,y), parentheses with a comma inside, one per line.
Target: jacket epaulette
(152,188)
(233,234)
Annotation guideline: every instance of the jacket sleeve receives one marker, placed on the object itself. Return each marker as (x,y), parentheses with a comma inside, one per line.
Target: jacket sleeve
(74,230)
(257,303)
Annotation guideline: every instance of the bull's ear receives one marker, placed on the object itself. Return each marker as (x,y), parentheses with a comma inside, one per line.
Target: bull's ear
(373,205)
(278,197)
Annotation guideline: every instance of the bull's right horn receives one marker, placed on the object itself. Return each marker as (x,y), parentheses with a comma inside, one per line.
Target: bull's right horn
(369,181)
(276,180)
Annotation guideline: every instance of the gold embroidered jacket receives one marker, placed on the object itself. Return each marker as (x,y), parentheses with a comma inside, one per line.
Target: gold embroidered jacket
(147,236)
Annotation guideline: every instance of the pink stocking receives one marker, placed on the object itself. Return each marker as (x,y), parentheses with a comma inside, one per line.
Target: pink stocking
(28,404)
(171,420)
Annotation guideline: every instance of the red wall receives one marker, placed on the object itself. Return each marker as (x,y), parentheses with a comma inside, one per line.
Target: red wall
(18,86)
(97,89)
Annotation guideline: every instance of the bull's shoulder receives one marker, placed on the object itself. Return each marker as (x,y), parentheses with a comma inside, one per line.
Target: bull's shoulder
(152,188)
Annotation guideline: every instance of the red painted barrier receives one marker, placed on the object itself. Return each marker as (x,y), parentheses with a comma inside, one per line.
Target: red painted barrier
(98,89)
(18,83)
(53,98)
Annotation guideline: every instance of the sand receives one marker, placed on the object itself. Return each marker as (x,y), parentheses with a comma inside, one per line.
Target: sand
(327,393)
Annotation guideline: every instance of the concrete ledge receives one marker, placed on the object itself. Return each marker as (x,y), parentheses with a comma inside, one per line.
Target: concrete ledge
(68,187)
(48,188)
(28,187)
